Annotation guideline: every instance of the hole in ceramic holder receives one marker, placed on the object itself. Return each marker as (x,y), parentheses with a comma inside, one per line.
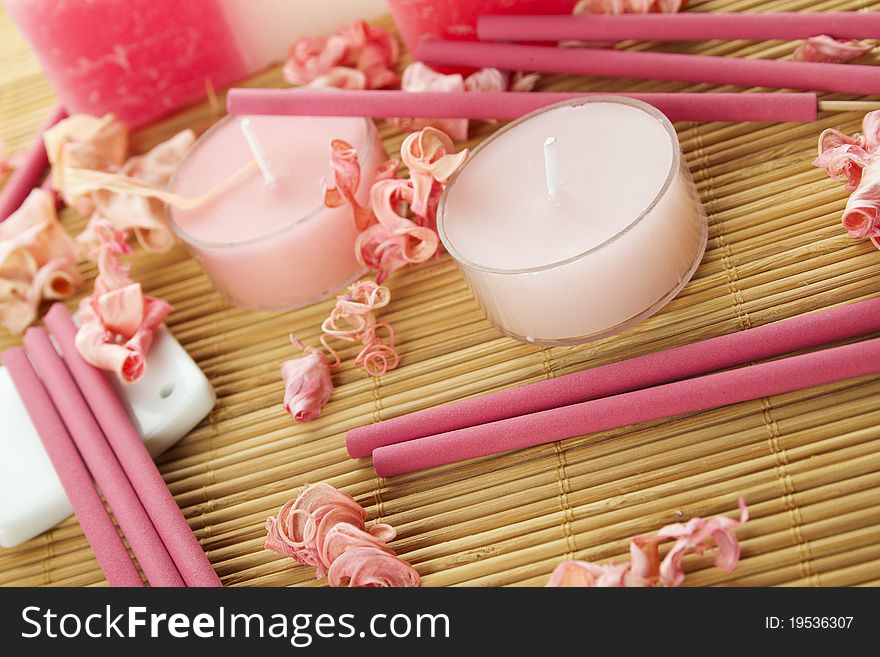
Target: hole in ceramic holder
(166,391)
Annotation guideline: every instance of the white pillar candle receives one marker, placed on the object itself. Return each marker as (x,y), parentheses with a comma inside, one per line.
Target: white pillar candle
(265,29)
(618,238)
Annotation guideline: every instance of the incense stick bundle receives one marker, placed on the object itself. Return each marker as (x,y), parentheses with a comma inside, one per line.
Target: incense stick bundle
(98,528)
(92,443)
(775,339)
(664,401)
(136,462)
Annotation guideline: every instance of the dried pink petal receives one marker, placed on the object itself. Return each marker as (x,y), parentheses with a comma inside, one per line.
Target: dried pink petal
(373,51)
(521,81)
(85,142)
(145,217)
(628,6)
(487,80)
(371,567)
(861,218)
(344,536)
(307,384)
(353,319)
(697,536)
(112,272)
(340,77)
(646,567)
(367,52)
(431,160)
(586,574)
(118,322)
(323,525)
(856,159)
(824,48)
(310,58)
(394,241)
(377,357)
(37,261)
(347,176)
(117,330)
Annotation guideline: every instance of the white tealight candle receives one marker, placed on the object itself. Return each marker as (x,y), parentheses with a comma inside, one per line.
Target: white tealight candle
(585,239)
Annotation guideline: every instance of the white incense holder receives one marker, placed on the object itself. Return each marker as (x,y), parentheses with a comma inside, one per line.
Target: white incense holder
(171,398)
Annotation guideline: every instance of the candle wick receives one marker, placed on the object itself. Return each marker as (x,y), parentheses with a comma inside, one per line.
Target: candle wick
(259,154)
(551,167)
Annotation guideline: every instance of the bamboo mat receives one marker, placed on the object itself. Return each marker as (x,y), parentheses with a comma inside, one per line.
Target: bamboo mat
(808,463)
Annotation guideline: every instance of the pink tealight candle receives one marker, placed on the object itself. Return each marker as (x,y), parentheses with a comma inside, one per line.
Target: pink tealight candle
(270,244)
(576,221)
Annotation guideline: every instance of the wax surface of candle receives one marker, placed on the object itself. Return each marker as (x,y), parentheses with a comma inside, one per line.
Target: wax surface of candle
(621,236)
(500,214)
(138,59)
(274,247)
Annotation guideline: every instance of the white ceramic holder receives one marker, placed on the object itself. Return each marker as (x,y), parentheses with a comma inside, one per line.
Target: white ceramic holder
(172,397)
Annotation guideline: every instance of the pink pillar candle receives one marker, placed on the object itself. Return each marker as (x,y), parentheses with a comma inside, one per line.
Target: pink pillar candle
(138,59)
(417,20)
(274,247)
(620,236)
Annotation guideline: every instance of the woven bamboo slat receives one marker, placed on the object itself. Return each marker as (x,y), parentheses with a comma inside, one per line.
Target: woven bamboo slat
(808,463)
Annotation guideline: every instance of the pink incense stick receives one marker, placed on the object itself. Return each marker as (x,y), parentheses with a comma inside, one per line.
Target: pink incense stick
(25,176)
(688,26)
(511,105)
(690,396)
(844,78)
(96,452)
(96,524)
(166,516)
(786,336)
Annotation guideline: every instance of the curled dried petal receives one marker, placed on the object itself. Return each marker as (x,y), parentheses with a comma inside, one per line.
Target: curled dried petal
(322,526)
(697,536)
(117,330)
(486,80)
(376,357)
(307,384)
(359,56)
(353,319)
(145,217)
(855,158)
(628,6)
(373,51)
(824,48)
(524,81)
(118,322)
(431,159)
(37,261)
(585,574)
(861,218)
(340,77)
(371,567)
(347,178)
(85,142)
(311,58)
(646,568)
(394,241)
